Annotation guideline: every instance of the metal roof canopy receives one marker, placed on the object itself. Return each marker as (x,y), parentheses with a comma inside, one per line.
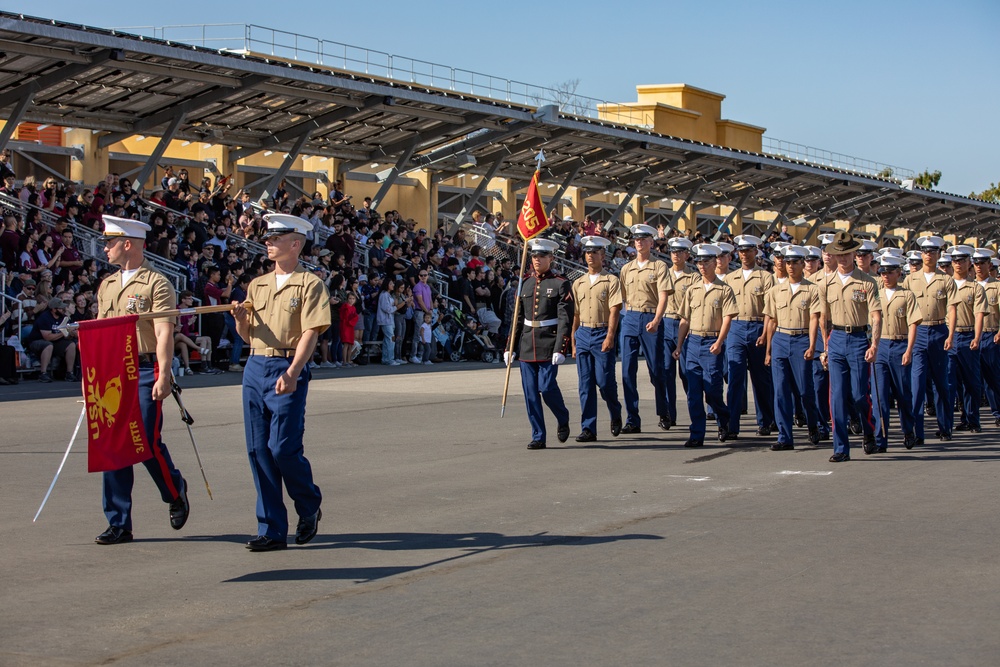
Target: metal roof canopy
(99,79)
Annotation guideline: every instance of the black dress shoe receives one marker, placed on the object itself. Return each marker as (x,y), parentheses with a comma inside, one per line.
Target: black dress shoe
(800,420)
(854,427)
(764,430)
(909,440)
(782,447)
(975,429)
(586,436)
(814,436)
(710,416)
(616,427)
(180,508)
(114,535)
(945,436)
(840,458)
(881,449)
(562,433)
(919,442)
(996,422)
(962,427)
(694,443)
(665,423)
(930,410)
(535,444)
(726,434)
(631,428)
(868,444)
(306,530)
(265,543)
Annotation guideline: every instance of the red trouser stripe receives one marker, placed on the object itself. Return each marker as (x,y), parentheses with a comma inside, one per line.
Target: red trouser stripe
(155,445)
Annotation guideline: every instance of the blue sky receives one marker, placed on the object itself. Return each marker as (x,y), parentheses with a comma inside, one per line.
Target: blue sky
(908,83)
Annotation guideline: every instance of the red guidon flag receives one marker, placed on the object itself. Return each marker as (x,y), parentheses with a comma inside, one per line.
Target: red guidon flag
(532,220)
(109,357)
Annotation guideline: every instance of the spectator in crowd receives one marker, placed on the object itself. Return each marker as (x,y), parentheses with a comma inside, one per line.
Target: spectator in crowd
(385,319)
(348,328)
(187,338)
(46,341)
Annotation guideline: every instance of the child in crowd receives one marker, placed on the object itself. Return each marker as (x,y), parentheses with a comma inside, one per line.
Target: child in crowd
(426,342)
(348,321)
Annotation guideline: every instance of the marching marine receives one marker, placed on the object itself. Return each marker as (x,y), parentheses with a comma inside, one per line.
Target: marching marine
(706,311)
(646,286)
(285,313)
(541,340)
(597,303)
(900,319)
(849,300)
(793,311)
(682,277)
(745,347)
(137,288)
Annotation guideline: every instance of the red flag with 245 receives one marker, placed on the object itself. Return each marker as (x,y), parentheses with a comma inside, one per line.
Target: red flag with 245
(109,356)
(532,220)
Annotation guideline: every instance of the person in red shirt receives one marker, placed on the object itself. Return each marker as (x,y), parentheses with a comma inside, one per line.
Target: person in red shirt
(348,320)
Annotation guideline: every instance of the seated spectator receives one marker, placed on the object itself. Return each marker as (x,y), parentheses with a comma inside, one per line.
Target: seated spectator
(46,341)
(187,338)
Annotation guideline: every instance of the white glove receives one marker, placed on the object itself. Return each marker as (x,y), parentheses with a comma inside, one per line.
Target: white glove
(509,357)
(558,359)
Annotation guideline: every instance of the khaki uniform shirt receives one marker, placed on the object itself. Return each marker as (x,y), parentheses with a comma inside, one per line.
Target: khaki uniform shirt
(750,293)
(595,301)
(898,312)
(992,320)
(933,298)
(681,285)
(279,317)
(850,304)
(641,287)
(792,312)
(147,292)
(704,309)
(971,300)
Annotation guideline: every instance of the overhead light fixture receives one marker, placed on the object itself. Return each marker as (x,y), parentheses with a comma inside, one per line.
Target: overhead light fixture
(207,145)
(374,165)
(475,177)
(141,137)
(466,160)
(67,130)
(43,127)
(186,143)
(324,159)
(266,153)
(606,192)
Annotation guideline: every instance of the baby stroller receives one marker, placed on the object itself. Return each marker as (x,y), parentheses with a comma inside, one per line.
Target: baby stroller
(464,339)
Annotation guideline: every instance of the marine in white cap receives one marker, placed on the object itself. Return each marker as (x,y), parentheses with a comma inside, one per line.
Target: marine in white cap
(901,317)
(598,301)
(682,278)
(646,288)
(746,343)
(971,309)
(989,349)
(541,339)
(706,311)
(936,295)
(864,255)
(726,251)
(138,288)
(285,313)
(793,313)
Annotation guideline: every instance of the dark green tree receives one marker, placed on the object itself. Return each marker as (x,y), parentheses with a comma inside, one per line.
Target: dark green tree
(928,179)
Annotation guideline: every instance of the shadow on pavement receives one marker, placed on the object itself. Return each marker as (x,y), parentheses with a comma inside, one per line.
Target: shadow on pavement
(471,544)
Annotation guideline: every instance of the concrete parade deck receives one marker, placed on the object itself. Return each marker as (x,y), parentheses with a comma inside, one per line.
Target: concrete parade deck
(445,542)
